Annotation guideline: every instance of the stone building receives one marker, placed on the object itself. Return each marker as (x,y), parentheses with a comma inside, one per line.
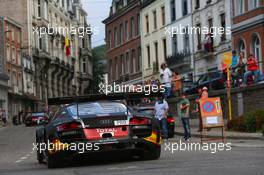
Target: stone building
(153,38)
(123,42)
(248,28)
(180,38)
(48,72)
(3,76)
(213,15)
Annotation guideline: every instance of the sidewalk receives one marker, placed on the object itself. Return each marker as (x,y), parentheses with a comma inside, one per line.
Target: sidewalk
(218,133)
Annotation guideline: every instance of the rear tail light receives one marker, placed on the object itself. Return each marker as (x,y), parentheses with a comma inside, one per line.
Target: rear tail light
(170,120)
(139,121)
(69,126)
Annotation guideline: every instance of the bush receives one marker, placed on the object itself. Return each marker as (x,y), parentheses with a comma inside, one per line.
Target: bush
(250,122)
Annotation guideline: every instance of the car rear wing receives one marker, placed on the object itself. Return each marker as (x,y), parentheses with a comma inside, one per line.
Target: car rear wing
(128,97)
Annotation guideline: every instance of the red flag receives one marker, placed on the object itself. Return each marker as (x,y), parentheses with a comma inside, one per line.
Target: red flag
(67,46)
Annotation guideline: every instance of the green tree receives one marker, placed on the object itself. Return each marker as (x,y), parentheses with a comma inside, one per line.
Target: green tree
(99,68)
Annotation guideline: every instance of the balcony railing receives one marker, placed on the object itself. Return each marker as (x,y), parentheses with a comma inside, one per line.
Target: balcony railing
(179,59)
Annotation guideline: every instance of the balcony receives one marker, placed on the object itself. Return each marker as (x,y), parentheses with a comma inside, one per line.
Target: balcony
(179,59)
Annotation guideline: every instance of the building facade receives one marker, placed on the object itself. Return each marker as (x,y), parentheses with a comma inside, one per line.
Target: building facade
(213,15)
(153,39)
(47,70)
(248,28)
(180,38)
(3,76)
(123,42)
(13,65)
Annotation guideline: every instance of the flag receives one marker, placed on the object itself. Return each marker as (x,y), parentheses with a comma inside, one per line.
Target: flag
(67,45)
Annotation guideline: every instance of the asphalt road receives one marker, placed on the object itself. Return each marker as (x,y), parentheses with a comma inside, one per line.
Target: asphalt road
(17,157)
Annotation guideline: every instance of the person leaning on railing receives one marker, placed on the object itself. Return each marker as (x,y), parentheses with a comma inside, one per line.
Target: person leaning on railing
(253,69)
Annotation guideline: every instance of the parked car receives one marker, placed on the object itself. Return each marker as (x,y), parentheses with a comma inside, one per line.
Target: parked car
(212,80)
(36,118)
(149,110)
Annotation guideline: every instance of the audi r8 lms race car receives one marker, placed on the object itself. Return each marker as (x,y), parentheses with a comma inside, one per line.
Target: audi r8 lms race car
(100,125)
(36,118)
(148,109)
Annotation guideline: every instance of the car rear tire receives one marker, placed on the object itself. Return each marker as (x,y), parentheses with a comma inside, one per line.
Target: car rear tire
(152,153)
(53,161)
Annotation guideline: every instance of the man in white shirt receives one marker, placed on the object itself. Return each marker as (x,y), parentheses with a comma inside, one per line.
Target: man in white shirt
(161,111)
(165,76)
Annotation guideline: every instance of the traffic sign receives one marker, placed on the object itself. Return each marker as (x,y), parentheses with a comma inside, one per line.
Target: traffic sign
(211,115)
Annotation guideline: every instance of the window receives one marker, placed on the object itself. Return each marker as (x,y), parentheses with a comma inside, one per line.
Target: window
(45,10)
(19,57)
(126,30)
(139,59)
(127,62)
(13,55)
(199,37)
(122,64)
(240,7)
(8,53)
(241,47)
(110,70)
(186,41)
(115,37)
(147,23)
(156,46)
(132,27)
(256,47)
(184,7)
(116,68)
(223,25)
(197,4)
(138,24)
(40,43)
(164,48)
(121,34)
(253,4)
(210,26)
(154,19)
(39,9)
(174,44)
(148,55)
(173,12)
(84,66)
(163,18)
(133,61)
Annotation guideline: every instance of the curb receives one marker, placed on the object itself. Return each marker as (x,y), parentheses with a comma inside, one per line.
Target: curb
(246,145)
(228,137)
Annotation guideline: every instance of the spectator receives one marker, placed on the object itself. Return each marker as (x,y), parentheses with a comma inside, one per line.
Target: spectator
(253,70)
(161,112)
(1,114)
(234,59)
(240,70)
(153,81)
(165,76)
(176,83)
(20,117)
(4,117)
(204,94)
(185,116)
(197,109)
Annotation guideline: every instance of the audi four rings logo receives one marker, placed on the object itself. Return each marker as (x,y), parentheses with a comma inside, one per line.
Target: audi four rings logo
(103,122)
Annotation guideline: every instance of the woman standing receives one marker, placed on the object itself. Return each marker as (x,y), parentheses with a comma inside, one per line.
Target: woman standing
(176,83)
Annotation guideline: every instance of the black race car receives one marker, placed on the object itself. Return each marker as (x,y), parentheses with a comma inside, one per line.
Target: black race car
(36,118)
(149,110)
(105,126)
